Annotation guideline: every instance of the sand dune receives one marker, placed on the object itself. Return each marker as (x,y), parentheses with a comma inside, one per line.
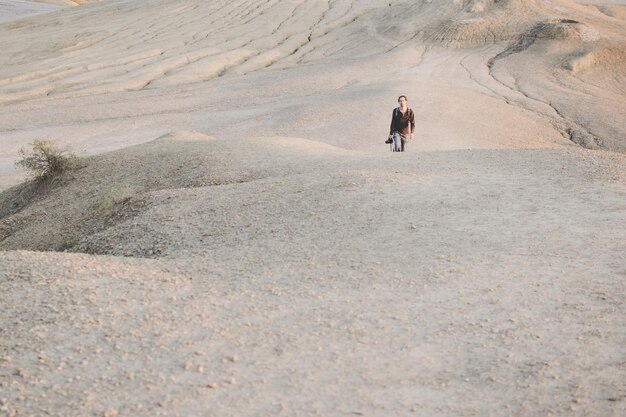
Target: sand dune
(241,241)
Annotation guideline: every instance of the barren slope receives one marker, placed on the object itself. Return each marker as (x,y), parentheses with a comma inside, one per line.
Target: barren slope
(114,73)
(297,278)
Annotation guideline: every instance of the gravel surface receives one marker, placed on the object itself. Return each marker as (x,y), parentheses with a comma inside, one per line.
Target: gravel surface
(326,282)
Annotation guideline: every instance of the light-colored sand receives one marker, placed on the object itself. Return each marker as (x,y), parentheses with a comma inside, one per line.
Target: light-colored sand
(258,251)
(18,9)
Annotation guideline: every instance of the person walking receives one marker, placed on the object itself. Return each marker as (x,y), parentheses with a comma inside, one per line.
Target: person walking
(402,125)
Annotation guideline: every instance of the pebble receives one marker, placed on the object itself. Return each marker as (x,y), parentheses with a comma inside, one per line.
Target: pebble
(22,373)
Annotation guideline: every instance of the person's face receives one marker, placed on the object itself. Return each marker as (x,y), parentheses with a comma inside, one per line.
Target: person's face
(402,101)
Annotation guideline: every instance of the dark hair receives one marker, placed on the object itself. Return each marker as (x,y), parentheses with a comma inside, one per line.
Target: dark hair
(404,97)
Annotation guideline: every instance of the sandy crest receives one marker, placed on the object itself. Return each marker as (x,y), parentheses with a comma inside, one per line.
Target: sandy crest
(241,241)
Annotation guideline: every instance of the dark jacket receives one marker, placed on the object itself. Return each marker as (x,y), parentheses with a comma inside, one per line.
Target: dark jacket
(402,123)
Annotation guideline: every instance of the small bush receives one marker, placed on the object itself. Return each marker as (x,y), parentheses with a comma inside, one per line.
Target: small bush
(48,159)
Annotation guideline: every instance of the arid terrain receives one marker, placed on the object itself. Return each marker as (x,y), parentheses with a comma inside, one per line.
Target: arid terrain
(239,241)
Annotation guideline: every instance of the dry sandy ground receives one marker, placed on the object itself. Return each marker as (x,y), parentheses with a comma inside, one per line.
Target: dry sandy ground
(15,9)
(258,251)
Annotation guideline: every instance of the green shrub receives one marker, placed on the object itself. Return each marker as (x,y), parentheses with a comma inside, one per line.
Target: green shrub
(48,159)
(67,243)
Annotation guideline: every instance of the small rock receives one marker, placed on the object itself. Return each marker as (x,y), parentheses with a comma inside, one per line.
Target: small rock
(21,373)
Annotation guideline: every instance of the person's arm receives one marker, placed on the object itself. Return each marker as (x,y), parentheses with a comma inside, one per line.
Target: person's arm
(412,123)
(393,115)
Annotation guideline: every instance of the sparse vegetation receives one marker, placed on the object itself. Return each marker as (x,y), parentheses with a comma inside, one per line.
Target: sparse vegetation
(48,159)
(68,243)
(106,203)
